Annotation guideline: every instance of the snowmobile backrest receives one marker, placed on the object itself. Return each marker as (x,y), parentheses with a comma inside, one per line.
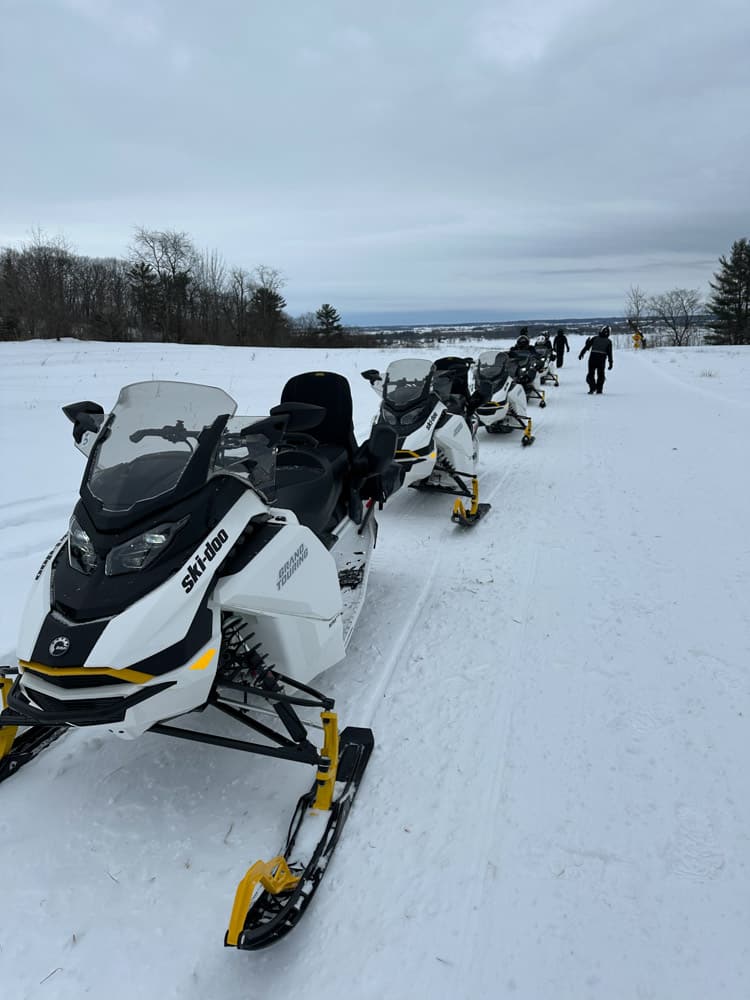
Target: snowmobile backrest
(300,416)
(332,392)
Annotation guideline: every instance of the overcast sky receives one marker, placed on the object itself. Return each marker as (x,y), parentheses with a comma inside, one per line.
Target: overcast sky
(408,161)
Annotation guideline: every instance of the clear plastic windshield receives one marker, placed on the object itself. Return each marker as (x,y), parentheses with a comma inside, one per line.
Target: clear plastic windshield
(150,438)
(492,364)
(407,381)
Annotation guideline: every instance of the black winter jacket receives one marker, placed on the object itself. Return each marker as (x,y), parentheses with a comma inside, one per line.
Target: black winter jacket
(598,345)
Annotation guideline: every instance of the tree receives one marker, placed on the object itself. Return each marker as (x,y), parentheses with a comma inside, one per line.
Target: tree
(268,320)
(730,299)
(678,310)
(173,259)
(636,305)
(328,319)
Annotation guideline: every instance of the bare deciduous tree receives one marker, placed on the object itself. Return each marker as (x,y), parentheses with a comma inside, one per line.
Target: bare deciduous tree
(636,307)
(678,311)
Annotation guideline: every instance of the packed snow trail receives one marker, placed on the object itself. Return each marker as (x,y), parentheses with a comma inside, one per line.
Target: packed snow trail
(556,805)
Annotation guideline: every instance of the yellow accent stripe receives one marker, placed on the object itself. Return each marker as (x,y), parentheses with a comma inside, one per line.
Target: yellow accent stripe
(275,876)
(204,661)
(128,675)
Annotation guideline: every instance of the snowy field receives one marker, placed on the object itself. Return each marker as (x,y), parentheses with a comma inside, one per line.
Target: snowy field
(556,807)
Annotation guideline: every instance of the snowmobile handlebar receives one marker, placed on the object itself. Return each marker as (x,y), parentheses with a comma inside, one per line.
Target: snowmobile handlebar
(175,434)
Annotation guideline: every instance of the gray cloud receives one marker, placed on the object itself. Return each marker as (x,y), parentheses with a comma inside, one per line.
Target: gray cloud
(512,157)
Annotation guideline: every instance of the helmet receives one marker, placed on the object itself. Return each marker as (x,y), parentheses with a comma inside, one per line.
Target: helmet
(541,341)
(560,330)
(523,331)
(523,341)
(604,332)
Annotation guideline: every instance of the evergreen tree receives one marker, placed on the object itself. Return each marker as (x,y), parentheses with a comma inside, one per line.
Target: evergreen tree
(730,299)
(328,319)
(268,321)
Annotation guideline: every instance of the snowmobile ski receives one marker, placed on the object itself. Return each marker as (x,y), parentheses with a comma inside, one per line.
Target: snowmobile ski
(273,895)
(476,511)
(18,749)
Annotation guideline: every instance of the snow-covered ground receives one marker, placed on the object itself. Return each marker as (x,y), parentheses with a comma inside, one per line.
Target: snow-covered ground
(556,807)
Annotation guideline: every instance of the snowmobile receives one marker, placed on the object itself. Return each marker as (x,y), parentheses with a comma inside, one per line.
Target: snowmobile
(433,411)
(528,368)
(212,562)
(506,410)
(546,354)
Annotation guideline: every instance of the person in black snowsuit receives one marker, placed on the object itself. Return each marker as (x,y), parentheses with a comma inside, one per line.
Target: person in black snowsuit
(560,343)
(601,352)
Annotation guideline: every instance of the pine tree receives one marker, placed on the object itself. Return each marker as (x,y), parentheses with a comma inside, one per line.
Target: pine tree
(730,301)
(328,319)
(268,321)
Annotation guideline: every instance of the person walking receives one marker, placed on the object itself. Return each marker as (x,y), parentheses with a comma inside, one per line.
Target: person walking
(560,343)
(600,347)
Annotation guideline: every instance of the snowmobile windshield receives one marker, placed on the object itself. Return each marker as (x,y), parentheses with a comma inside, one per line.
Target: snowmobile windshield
(493,364)
(150,438)
(407,382)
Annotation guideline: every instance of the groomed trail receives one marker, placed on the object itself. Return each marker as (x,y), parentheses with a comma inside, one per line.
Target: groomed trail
(556,806)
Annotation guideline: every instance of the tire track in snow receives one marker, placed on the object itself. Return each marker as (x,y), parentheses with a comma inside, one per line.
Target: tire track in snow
(404,635)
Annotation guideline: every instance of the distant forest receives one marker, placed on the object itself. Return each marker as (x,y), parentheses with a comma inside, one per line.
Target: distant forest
(167,290)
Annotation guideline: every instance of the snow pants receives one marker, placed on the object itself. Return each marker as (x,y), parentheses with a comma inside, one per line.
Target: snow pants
(560,355)
(595,377)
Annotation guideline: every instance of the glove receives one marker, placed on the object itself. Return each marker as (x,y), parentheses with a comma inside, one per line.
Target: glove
(610,367)
(580,356)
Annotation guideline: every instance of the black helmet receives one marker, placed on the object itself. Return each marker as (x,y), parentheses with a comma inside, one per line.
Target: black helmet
(560,330)
(523,340)
(605,331)
(524,331)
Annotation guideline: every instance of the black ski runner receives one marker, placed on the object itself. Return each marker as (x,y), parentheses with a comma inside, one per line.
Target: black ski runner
(26,747)
(287,886)
(18,749)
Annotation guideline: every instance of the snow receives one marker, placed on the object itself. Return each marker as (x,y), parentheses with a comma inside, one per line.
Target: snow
(557,802)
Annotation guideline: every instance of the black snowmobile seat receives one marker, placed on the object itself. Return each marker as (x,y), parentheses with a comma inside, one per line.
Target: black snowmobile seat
(305,484)
(335,432)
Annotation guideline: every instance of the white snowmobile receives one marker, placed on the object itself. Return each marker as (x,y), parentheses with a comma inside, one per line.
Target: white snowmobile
(506,410)
(528,369)
(433,411)
(218,562)
(546,354)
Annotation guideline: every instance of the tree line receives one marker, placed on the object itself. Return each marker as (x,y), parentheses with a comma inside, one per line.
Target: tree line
(677,317)
(168,290)
(165,290)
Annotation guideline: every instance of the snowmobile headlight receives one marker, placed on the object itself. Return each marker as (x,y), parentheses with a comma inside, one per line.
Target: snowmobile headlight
(388,417)
(141,551)
(81,553)
(412,416)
